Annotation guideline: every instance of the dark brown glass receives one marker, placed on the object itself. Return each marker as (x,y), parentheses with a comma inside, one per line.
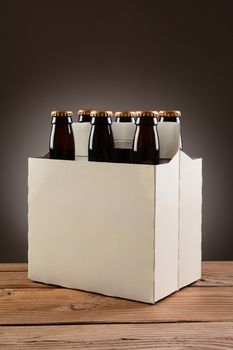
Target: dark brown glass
(146,141)
(124,155)
(101,144)
(169,119)
(125,119)
(84,118)
(61,145)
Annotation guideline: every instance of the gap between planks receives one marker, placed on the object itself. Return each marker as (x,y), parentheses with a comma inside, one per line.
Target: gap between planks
(128,336)
(74,324)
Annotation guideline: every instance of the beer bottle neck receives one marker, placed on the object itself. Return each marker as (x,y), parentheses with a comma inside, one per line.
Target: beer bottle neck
(125,119)
(169,119)
(62,120)
(84,119)
(146,121)
(101,120)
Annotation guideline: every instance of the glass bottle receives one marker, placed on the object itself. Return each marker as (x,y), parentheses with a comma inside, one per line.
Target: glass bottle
(101,143)
(125,117)
(61,144)
(171,116)
(146,140)
(123,149)
(84,116)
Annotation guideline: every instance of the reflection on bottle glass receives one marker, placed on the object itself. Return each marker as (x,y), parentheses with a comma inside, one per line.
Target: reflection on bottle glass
(146,140)
(101,144)
(61,144)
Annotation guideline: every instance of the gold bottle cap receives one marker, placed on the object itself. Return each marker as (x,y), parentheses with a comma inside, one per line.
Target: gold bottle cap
(84,112)
(61,114)
(169,113)
(125,114)
(146,113)
(101,114)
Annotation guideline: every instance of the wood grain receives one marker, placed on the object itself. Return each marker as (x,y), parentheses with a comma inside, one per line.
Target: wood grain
(58,306)
(13,267)
(19,279)
(38,316)
(210,335)
(216,273)
(219,273)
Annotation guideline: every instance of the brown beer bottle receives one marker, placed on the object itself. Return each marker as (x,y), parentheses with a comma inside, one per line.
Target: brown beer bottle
(146,140)
(101,144)
(61,145)
(125,117)
(84,116)
(173,117)
(169,116)
(123,154)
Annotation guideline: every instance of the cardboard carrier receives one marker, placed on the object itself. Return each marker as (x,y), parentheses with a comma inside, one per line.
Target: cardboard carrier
(125,230)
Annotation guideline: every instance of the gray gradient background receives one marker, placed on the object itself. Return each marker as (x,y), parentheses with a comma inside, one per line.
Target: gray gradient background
(117,55)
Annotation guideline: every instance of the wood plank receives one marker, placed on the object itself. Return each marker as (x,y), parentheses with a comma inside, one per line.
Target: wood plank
(210,335)
(19,279)
(13,267)
(59,306)
(216,273)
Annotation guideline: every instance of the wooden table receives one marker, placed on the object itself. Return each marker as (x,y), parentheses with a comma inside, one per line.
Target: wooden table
(39,316)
